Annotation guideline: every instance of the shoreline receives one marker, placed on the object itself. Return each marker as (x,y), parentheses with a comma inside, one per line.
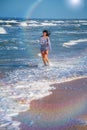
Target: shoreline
(64,109)
(72,79)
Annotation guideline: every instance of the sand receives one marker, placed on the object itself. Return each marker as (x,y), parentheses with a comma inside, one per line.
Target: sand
(64,109)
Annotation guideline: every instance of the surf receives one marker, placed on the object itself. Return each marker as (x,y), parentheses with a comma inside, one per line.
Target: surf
(2,31)
(74,42)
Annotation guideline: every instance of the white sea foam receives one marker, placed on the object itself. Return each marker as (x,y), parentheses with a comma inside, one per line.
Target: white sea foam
(23,24)
(42,24)
(46,21)
(13,48)
(21,86)
(70,32)
(82,21)
(34,25)
(49,24)
(38,24)
(74,42)
(8,25)
(2,31)
(69,24)
(1,21)
(32,21)
(7,123)
(55,21)
(39,54)
(10,21)
(16,98)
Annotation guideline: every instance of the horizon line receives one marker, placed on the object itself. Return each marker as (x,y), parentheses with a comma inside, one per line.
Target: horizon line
(42,18)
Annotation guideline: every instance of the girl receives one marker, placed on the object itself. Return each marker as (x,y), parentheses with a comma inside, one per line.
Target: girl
(45,46)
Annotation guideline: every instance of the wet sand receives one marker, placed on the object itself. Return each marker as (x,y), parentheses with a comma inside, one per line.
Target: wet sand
(64,109)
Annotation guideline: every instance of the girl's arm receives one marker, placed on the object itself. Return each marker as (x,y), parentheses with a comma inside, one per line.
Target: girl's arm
(49,43)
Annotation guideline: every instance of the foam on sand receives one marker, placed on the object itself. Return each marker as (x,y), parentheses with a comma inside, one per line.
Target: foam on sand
(74,42)
(16,98)
(2,31)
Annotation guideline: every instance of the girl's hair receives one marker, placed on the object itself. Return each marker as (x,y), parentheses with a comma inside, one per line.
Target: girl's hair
(47,33)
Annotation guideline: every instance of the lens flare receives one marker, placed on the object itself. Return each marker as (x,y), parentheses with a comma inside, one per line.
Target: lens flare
(33,8)
(75,3)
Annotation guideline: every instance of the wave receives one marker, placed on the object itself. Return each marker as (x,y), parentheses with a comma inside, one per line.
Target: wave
(46,21)
(42,24)
(70,32)
(8,25)
(31,24)
(34,25)
(11,21)
(26,23)
(55,21)
(70,24)
(74,42)
(48,24)
(2,31)
(12,48)
(1,21)
(37,23)
(32,21)
(8,21)
(82,21)
(23,24)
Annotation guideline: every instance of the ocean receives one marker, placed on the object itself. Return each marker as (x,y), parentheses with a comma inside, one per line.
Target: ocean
(22,74)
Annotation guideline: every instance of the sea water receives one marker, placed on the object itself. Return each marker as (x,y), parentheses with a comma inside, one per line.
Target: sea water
(23,77)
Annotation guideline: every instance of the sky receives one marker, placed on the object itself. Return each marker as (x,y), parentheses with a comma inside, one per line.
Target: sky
(58,9)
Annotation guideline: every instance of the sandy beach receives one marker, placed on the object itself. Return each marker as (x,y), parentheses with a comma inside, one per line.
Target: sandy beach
(64,109)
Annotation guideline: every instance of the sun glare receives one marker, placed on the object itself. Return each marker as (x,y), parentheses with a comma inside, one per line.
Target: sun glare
(75,3)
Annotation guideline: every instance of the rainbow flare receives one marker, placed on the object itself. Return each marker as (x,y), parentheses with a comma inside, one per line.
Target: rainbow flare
(61,109)
(32,8)
(59,114)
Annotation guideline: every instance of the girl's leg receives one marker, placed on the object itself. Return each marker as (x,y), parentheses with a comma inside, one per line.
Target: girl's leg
(46,57)
(43,57)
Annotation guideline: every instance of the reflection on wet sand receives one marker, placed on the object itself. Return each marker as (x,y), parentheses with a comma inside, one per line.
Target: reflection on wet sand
(65,109)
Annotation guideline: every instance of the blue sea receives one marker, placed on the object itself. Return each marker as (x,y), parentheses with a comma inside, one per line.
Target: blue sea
(22,74)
